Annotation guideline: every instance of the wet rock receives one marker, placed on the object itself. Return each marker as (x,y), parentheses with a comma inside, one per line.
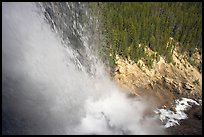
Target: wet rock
(173,109)
(191,103)
(164,107)
(190,126)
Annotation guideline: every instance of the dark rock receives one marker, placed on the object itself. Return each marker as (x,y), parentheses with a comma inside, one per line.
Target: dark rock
(190,126)
(173,109)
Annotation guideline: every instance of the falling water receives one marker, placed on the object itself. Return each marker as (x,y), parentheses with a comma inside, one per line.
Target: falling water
(52,79)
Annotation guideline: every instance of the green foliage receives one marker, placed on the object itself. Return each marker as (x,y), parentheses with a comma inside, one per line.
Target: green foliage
(151,24)
(192,61)
(140,66)
(196,82)
(149,62)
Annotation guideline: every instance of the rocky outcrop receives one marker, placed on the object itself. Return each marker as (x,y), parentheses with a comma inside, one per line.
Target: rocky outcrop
(188,86)
(175,79)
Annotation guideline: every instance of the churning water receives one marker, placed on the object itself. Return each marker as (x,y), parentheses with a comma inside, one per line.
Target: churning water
(52,80)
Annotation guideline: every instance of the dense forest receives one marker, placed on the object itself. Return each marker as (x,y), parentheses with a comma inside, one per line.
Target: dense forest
(130,27)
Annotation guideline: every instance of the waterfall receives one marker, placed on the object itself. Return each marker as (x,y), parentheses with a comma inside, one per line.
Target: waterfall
(53,82)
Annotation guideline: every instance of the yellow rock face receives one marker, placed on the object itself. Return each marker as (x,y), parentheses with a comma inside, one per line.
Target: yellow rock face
(129,76)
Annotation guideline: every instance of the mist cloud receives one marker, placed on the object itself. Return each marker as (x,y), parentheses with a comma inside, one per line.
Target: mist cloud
(44,93)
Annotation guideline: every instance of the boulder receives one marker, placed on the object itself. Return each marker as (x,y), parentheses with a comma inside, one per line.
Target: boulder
(173,109)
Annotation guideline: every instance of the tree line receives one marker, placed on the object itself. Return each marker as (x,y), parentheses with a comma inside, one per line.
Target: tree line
(129,27)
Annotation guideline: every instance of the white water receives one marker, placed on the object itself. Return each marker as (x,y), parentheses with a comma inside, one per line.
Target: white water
(44,93)
(170,118)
